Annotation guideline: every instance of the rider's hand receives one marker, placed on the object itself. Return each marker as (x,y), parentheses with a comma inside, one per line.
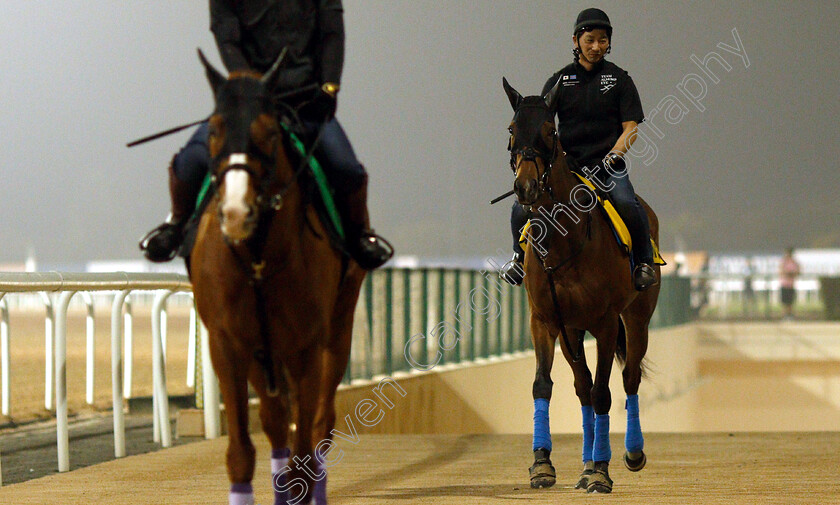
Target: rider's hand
(325,101)
(615,162)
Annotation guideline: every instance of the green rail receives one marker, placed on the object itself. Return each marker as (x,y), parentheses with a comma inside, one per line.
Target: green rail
(455,315)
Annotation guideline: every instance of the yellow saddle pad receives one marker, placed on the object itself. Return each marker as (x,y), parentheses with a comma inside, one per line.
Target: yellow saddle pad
(622,234)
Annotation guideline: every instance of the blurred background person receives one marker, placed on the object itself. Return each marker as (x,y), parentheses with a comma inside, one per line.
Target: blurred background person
(748,296)
(788,272)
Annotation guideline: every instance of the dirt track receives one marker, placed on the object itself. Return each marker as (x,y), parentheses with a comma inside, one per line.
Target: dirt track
(759,377)
(742,468)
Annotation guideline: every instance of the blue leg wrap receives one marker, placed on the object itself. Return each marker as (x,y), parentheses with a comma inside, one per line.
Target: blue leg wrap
(542,433)
(588,432)
(602,450)
(633,440)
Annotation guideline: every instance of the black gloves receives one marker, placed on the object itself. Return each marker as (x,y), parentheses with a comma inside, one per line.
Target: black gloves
(616,162)
(323,105)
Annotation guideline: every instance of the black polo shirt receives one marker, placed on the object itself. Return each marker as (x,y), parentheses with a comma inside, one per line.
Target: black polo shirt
(251,34)
(591,107)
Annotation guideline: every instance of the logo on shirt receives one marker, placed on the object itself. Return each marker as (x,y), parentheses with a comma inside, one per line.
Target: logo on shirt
(608,82)
(570,80)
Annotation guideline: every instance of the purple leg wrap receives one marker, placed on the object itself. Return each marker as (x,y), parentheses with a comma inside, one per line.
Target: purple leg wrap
(319,495)
(241,494)
(279,478)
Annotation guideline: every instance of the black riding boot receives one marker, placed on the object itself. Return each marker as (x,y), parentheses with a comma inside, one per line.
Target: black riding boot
(162,243)
(644,276)
(513,272)
(366,247)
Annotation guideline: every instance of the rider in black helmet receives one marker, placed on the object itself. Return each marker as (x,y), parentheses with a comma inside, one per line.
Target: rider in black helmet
(251,35)
(598,111)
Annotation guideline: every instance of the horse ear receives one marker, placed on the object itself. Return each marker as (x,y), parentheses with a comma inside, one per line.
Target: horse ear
(552,95)
(214,76)
(513,95)
(269,77)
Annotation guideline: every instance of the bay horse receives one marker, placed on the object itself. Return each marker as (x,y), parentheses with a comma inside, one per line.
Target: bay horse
(276,298)
(577,278)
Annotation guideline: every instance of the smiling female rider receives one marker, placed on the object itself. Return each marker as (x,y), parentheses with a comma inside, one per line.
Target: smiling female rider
(598,112)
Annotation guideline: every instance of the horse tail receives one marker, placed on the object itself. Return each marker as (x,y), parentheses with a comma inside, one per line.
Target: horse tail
(621,343)
(621,348)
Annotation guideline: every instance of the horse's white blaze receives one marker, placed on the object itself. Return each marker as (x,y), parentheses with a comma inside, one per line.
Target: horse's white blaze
(237,159)
(234,208)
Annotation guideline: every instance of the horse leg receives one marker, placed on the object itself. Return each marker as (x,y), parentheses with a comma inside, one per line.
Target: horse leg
(334,358)
(583,390)
(605,337)
(233,383)
(542,473)
(274,414)
(636,334)
(307,471)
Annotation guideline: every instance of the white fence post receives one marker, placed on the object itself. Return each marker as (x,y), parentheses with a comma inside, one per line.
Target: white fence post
(211,389)
(160,398)
(191,345)
(90,344)
(4,355)
(116,373)
(128,365)
(62,430)
(49,341)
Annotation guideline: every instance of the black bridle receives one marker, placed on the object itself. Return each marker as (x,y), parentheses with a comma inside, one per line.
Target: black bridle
(268,202)
(532,154)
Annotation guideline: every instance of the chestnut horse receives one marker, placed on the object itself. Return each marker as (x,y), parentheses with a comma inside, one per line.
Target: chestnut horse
(578,278)
(276,298)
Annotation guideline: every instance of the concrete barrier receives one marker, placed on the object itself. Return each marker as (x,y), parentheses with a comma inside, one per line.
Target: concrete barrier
(494,395)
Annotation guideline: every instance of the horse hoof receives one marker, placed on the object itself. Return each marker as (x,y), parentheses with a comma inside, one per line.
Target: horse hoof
(588,469)
(599,481)
(538,482)
(635,461)
(583,483)
(598,487)
(542,475)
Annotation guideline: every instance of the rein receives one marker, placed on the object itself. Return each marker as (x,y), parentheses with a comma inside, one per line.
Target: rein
(550,273)
(268,205)
(256,245)
(530,153)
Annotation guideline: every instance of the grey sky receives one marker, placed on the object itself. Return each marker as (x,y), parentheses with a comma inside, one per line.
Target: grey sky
(423,104)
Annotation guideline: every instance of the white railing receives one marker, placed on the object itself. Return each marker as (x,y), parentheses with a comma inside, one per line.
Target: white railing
(399,309)
(66,285)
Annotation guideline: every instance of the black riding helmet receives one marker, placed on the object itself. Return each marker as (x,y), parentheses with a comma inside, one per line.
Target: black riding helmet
(592,18)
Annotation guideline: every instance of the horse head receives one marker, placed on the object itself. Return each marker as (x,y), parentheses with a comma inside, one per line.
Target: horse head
(244,138)
(533,142)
